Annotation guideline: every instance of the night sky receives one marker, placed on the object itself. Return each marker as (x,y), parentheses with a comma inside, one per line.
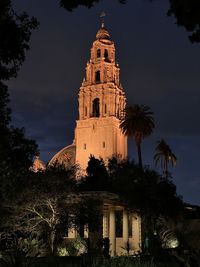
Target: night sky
(159,68)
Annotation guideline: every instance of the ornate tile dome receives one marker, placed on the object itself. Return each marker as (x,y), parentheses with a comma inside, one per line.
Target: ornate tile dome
(65,156)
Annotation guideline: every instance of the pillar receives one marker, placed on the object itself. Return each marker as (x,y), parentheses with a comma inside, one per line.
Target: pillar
(85,231)
(105,225)
(112,233)
(125,228)
(136,231)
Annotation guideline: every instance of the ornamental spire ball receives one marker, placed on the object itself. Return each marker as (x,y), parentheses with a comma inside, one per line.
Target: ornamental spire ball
(102,32)
(102,16)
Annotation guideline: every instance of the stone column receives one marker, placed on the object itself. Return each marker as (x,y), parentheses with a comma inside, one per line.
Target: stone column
(105,225)
(85,231)
(136,231)
(125,228)
(112,232)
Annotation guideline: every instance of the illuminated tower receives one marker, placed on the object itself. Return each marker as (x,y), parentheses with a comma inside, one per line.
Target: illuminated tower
(101,103)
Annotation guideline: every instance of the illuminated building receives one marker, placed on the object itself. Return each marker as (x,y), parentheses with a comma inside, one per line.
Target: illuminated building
(101,104)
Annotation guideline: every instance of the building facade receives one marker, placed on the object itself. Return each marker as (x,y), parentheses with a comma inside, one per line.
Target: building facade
(115,216)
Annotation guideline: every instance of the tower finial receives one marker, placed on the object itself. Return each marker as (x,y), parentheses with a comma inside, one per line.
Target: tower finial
(102,16)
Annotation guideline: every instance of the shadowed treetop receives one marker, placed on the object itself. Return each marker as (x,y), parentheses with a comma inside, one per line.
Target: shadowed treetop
(16,152)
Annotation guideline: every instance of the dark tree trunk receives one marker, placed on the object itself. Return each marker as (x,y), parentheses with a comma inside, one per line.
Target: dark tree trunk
(166,169)
(166,166)
(138,141)
(81,230)
(52,238)
(139,155)
(138,144)
(95,234)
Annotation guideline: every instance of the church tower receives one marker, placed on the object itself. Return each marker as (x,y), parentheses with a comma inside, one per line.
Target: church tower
(101,104)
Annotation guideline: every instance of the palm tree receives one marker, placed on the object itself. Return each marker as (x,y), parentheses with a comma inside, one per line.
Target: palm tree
(137,122)
(164,155)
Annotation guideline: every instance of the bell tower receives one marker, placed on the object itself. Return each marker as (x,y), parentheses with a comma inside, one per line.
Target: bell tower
(101,104)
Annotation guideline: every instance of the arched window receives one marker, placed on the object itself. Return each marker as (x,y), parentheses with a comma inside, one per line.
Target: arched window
(85,111)
(99,53)
(97,76)
(95,110)
(105,108)
(106,54)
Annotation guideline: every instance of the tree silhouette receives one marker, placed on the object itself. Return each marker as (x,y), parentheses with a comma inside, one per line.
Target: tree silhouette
(138,122)
(16,152)
(97,176)
(164,155)
(15,33)
(187,15)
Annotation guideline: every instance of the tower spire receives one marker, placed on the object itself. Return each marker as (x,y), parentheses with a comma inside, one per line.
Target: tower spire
(102,16)
(101,104)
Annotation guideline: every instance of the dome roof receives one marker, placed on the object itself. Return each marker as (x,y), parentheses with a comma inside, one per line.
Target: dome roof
(103,33)
(38,165)
(65,156)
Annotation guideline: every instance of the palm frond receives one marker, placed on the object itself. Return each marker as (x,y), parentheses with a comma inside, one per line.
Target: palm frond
(137,118)
(164,155)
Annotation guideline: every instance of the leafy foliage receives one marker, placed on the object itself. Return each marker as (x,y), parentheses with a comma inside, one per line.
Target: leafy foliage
(70,5)
(40,210)
(15,33)
(145,190)
(16,151)
(187,15)
(96,175)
